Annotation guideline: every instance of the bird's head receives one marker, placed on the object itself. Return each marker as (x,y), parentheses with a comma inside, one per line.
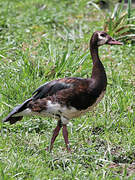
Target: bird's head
(100,38)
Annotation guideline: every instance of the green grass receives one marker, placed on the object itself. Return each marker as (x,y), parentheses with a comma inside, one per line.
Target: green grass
(45,40)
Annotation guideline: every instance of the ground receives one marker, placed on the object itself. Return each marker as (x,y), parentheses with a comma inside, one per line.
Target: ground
(45,40)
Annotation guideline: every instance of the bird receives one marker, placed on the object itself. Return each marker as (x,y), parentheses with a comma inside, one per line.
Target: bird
(69,97)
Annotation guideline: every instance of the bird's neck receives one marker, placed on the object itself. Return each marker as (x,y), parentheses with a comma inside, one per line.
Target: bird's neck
(98,71)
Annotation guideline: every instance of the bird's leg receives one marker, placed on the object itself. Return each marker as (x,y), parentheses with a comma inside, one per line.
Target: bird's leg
(65,135)
(55,134)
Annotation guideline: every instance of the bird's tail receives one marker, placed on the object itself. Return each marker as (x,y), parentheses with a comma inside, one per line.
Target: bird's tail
(13,120)
(14,116)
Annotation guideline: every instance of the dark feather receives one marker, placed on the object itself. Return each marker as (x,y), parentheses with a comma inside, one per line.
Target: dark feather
(76,92)
(82,93)
(17,109)
(13,120)
(49,89)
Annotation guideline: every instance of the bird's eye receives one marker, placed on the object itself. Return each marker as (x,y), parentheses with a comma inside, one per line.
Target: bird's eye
(102,35)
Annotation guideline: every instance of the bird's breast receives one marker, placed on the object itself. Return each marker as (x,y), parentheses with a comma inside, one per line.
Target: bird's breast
(78,113)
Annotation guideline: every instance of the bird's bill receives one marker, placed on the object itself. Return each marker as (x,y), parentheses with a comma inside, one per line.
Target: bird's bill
(114,42)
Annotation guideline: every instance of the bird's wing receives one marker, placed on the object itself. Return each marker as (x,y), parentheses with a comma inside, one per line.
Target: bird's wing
(75,92)
(49,89)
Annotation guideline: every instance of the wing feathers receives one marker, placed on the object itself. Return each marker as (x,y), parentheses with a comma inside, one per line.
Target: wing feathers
(49,89)
(16,110)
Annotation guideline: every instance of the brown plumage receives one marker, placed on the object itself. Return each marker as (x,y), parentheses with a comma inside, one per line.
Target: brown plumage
(68,98)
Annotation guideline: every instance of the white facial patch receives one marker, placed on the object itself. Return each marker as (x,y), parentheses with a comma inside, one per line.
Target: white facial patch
(101,39)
